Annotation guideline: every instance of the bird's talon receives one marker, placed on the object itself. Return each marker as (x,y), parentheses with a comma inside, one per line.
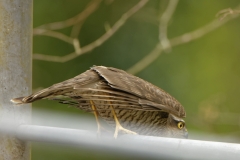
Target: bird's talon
(126,131)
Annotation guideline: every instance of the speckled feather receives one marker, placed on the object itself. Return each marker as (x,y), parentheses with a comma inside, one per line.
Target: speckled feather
(139,105)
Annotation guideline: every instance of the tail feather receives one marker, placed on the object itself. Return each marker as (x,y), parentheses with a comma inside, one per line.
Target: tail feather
(29,99)
(42,94)
(85,79)
(18,100)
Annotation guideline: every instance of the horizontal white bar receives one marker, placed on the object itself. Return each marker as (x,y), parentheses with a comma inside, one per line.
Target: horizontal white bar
(132,145)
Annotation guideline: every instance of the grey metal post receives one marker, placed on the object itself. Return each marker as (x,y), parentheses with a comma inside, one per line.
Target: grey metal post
(15,72)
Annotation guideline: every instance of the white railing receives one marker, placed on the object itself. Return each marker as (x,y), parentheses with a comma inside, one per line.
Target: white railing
(132,145)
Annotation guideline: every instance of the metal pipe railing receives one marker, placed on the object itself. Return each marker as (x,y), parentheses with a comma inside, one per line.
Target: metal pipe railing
(135,146)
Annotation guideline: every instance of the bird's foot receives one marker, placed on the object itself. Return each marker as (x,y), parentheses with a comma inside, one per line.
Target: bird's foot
(120,128)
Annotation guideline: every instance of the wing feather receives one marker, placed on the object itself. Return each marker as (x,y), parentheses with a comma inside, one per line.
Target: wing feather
(121,80)
(117,86)
(85,79)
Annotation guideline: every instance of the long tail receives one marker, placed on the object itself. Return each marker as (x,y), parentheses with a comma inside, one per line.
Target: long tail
(60,89)
(45,93)
(18,100)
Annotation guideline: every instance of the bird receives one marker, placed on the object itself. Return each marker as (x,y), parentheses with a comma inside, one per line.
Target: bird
(129,104)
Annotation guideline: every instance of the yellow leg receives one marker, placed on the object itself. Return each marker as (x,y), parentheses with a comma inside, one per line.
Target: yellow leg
(96,116)
(119,126)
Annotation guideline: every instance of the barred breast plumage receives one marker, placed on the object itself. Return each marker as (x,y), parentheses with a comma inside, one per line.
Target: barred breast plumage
(124,101)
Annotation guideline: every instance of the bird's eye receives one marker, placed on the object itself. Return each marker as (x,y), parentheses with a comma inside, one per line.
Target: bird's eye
(180,125)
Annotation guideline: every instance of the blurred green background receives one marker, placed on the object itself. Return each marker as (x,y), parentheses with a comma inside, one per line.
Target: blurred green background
(203,74)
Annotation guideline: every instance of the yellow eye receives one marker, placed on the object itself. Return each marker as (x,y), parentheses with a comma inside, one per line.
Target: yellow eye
(180,125)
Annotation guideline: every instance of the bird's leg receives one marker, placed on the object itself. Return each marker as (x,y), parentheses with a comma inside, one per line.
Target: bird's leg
(119,126)
(96,116)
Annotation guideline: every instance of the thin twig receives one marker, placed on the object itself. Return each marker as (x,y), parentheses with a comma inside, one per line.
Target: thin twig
(91,7)
(97,42)
(58,35)
(185,38)
(73,41)
(51,58)
(163,45)
(198,33)
(148,59)
(164,20)
(226,12)
(76,29)
(76,21)
(76,45)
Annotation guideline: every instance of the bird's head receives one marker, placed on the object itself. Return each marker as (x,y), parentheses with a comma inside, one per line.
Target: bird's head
(177,127)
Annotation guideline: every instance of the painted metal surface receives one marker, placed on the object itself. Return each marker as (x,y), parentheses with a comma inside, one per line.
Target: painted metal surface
(135,146)
(15,71)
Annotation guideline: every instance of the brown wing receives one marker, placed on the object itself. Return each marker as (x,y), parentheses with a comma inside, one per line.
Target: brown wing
(149,94)
(120,85)
(84,79)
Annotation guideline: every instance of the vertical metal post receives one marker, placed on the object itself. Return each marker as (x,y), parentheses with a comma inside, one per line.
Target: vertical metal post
(15,72)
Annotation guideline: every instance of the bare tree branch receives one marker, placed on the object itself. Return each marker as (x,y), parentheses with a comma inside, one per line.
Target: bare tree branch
(164,43)
(91,7)
(198,33)
(226,12)
(166,16)
(54,34)
(97,42)
(51,58)
(76,29)
(77,21)
(148,59)
(73,41)
(185,38)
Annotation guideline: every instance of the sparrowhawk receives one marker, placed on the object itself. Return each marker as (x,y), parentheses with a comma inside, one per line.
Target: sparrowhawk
(127,103)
